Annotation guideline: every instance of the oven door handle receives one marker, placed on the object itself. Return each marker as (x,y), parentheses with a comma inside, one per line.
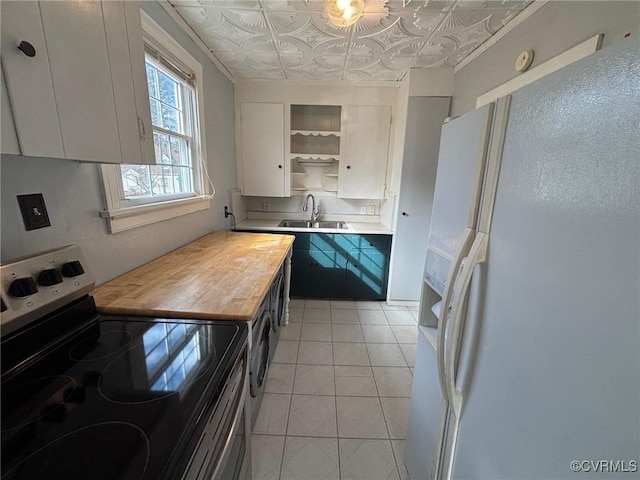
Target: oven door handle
(239,417)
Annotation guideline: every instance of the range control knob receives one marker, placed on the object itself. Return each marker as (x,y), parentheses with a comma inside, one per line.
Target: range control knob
(72,269)
(23,287)
(51,276)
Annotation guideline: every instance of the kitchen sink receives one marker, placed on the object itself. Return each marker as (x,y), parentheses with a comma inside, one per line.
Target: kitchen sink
(309,224)
(330,225)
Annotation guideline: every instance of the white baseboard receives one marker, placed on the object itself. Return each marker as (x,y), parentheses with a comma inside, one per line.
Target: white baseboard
(403,303)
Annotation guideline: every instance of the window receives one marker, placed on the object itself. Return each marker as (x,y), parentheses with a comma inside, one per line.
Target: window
(178,182)
(172,102)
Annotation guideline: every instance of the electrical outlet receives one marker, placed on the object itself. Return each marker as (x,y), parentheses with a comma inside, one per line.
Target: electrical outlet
(226,211)
(371,210)
(266,207)
(363,209)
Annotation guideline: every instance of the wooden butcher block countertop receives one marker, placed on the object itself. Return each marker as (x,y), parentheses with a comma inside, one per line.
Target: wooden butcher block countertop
(223,275)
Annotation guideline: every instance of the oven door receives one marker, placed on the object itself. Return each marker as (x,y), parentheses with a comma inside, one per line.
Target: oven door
(224,447)
(237,464)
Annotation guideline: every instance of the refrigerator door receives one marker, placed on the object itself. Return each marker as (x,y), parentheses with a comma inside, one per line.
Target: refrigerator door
(550,366)
(461,162)
(427,411)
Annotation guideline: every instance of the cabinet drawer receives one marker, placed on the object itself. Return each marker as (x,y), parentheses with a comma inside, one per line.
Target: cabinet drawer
(382,243)
(313,241)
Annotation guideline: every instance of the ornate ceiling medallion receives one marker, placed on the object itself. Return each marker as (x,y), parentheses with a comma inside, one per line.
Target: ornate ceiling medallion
(343,13)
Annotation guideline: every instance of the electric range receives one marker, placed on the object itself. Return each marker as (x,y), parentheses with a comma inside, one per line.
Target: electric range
(107,397)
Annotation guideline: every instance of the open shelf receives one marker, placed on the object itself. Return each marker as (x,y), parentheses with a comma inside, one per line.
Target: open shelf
(315,133)
(315,148)
(322,160)
(316,117)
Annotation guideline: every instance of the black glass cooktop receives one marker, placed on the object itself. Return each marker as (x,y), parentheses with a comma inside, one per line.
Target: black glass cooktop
(115,398)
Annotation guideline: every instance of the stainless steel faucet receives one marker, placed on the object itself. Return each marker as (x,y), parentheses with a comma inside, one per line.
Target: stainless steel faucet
(315,212)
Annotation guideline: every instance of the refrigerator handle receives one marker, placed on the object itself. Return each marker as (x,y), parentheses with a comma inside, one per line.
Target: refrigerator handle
(477,255)
(469,235)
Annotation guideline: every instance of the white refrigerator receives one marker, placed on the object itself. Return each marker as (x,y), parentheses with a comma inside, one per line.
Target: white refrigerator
(532,370)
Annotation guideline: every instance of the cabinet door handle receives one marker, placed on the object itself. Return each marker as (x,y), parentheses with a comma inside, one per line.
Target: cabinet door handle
(405,214)
(28,49)
(141,130)
(279,166)
(348,167)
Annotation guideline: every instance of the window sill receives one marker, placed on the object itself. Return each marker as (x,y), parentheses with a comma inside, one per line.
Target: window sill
(119,220)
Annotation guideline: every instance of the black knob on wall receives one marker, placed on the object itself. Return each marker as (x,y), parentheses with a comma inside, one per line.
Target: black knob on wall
(72,269)
(28,49)
(405,214)
(49,277)
(348,167)
(23,287)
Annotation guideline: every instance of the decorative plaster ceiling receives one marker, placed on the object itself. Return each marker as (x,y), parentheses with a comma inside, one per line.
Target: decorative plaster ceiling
(292,39)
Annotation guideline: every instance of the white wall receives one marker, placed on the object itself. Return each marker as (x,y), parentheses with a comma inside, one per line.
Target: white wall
(73,191)
(329,206)
(555,28)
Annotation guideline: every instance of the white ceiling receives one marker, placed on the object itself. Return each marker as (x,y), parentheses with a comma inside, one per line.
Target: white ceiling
(291,39)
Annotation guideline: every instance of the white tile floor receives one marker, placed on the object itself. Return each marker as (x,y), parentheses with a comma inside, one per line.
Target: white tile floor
(337,400)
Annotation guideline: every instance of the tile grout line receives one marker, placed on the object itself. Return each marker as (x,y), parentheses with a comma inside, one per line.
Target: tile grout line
(384,417)
(286,428)
(335,398)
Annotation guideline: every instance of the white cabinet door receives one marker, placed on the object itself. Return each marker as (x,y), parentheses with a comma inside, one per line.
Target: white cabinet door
(8,138)
(420,159)
(363,164)
(262,144)
(139,75)
(29,82)
(126,61)
(77,46)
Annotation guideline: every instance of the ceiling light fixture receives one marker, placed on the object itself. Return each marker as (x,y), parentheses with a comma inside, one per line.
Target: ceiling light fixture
(343,13)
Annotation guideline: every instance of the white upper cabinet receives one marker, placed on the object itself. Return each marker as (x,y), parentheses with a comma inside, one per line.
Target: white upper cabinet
(262,149)
(325,130)
(126,60)
(363,163)
(80,96)
(28,78)
(75,36)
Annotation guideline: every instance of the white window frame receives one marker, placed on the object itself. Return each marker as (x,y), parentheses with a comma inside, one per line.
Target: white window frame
(126,214)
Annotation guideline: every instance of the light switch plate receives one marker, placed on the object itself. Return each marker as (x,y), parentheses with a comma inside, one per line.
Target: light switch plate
(34,211)
(371,210)
(363,209)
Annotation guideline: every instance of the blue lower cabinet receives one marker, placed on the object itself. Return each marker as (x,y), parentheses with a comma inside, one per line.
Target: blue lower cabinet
(301,274)
(330,274)
(316,273)
(367,274)
(333,265)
